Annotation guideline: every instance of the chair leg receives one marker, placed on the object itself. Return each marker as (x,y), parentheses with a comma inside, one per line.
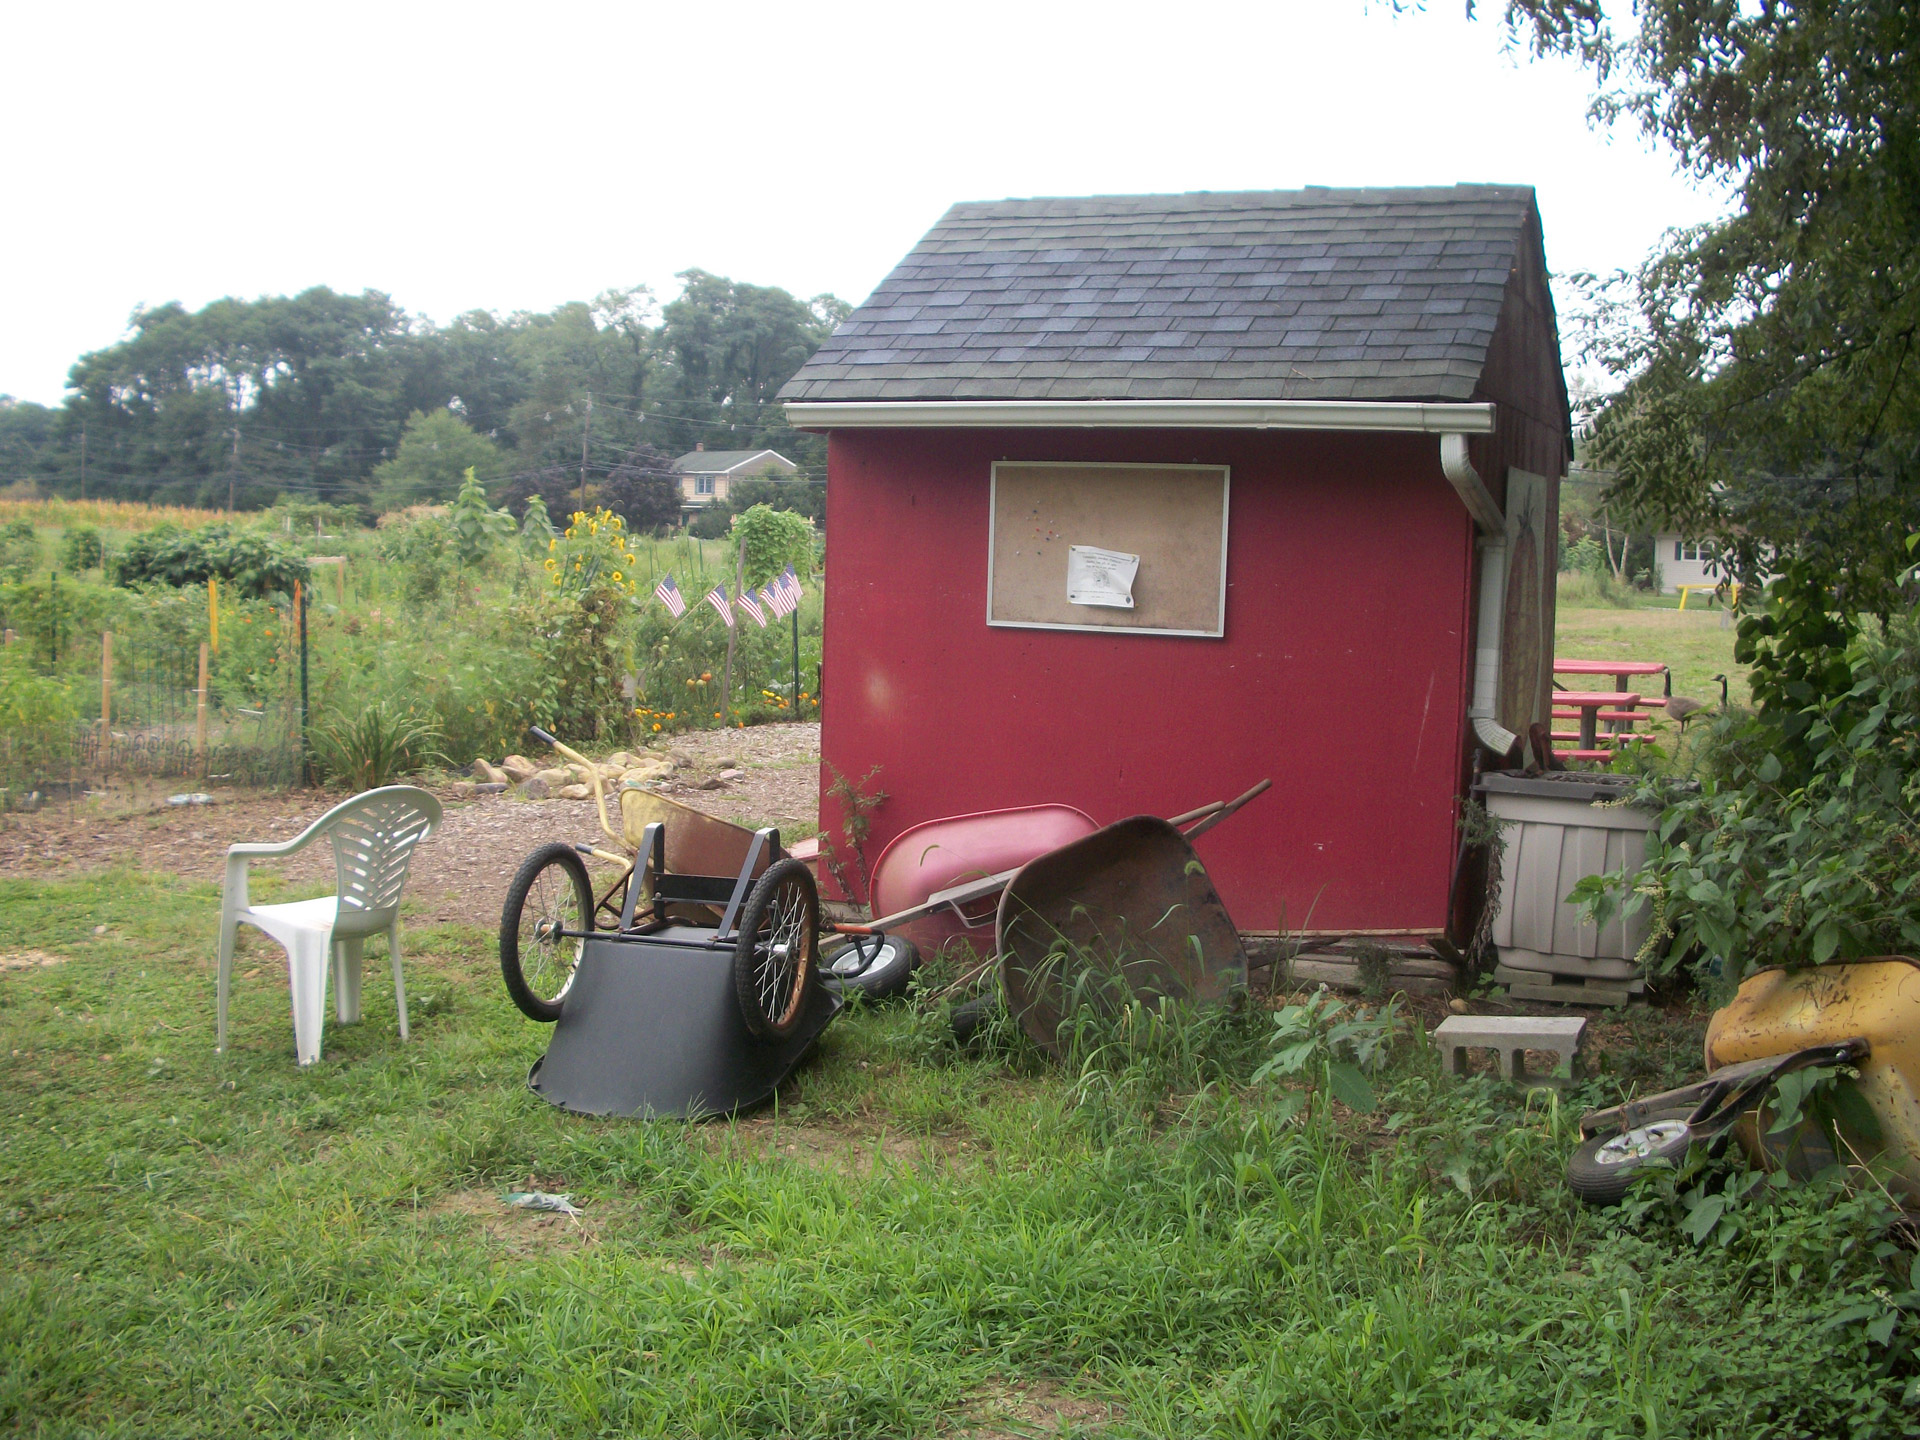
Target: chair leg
(349,963)
(307,970)
(399,984)
(227,926)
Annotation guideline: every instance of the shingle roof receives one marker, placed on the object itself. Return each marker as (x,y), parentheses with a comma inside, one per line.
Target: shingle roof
(719,462)
(1318,294)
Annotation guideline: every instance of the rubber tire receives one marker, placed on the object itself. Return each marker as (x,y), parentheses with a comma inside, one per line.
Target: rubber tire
(970,1016)
(755,916)
(533,1005)
(1607,1184)
(884,978)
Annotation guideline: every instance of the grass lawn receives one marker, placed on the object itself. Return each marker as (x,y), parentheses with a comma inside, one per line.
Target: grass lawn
(917,1242)
(1692,641)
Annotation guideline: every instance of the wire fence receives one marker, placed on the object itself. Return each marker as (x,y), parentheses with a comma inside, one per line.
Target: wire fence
(92,710)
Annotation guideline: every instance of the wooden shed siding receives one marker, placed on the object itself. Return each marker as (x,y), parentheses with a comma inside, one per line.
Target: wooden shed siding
(1343,674)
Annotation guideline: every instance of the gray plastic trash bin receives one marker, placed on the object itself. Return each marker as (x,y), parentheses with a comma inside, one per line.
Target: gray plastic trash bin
(1559,828)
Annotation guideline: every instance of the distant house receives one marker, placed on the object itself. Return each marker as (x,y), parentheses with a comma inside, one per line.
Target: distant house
(707,476)
(1679,561)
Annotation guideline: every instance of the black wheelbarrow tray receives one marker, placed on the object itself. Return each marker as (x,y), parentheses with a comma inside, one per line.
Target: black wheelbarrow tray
(652,1021)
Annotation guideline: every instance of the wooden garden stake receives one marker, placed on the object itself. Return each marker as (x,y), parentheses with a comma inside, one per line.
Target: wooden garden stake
(213,611)
(106,700)
(200,716)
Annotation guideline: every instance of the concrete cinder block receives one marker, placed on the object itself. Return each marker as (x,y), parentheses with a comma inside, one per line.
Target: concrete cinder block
(1510,1037)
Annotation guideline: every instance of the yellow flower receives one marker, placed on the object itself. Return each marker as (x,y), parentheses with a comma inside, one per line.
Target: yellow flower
(656,729)
(551,542)
(616,575)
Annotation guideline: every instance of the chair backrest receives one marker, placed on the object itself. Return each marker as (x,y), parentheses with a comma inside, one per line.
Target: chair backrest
(373,837)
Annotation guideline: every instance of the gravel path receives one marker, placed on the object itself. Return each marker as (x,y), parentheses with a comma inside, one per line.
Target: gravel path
(461,873)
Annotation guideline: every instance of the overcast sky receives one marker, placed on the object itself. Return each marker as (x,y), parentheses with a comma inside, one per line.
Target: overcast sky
(515,157)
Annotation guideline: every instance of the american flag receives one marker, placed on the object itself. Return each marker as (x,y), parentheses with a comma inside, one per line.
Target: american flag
(717,598)
(668,594)
(747,603)
(790,583)
(777,600)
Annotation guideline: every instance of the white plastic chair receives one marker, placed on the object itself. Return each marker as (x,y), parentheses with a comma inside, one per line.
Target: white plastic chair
(373,838)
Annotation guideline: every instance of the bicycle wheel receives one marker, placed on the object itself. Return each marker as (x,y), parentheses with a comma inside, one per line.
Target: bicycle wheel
(877,969)
(549,894)
(774,967)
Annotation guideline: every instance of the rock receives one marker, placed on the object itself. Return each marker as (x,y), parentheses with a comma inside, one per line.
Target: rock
(620,760)
(534,788)
(556,778)
(196,798)
(646,770)
(488,773)
(518,768)
(712,782)
(724,762)
(733,774)
(492,787)
(575,792)
(1457,1006)
(463,789)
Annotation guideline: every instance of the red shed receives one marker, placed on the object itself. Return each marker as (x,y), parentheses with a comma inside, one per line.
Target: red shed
(1136,500)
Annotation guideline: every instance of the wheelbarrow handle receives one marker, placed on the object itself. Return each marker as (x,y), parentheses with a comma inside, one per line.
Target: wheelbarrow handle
(1211,815)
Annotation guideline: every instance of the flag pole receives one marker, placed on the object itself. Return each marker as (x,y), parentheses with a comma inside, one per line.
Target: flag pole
(796,662)
(739,577)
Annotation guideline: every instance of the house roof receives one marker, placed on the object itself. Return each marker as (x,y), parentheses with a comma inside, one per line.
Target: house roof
(721,462)
(1317,294)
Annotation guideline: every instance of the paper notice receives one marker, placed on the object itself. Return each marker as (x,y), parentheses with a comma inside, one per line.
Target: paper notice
(1100,577)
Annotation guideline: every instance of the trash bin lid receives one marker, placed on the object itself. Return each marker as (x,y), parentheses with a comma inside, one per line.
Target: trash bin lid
(1586,785)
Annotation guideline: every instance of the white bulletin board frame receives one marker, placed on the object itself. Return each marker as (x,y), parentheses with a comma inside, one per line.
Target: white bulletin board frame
(1005,612)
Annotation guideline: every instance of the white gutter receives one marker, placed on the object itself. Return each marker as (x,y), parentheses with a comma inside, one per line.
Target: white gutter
(1414,417)
(1493,593)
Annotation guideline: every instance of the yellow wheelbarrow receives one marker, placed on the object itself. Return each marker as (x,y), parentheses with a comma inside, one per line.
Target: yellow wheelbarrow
(1861,1017)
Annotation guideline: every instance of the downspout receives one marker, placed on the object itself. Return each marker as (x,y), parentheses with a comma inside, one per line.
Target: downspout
(1493,592)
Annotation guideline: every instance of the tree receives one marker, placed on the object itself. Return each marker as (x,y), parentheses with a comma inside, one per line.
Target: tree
(436,451)
(1770,388)
(644,490)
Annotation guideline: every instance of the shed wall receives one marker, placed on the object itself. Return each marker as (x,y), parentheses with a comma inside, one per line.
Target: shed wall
(1343,674)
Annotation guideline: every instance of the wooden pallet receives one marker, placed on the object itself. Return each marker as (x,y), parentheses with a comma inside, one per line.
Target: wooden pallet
(1566,990)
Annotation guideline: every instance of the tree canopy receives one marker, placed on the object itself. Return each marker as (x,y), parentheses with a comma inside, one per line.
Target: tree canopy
(348,398)
(1769,389)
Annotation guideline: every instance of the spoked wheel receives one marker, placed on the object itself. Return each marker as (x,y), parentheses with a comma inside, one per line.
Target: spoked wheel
(774,964)
(1604,1168)
(549,894)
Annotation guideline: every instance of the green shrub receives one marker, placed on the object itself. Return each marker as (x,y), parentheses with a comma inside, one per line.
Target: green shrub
(19,550)
(36,716)
(81,548)
(252,564)
(375,747)
(1798,846)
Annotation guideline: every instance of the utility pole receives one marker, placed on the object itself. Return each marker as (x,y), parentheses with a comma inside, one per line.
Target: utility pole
(585,435)
(233,474)
(83,459)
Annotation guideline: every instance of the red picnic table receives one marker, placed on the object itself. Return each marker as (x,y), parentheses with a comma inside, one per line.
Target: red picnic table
(1622,671)
(1590,703)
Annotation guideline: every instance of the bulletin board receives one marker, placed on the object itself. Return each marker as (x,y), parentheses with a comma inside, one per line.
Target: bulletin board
(1173,517)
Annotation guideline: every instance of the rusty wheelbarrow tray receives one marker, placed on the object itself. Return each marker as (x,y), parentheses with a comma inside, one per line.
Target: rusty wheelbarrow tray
(1127,913)
(964,898)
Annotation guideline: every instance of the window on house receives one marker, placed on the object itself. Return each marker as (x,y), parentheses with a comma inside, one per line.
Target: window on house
(703,484)
(1683,551)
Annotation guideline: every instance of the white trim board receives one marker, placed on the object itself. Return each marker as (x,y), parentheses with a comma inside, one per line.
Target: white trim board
(1405,417)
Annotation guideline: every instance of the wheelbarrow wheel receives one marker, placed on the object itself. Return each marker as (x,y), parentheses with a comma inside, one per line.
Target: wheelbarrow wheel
(549,894)
(775,961)
(1604,1168)
(878,968)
